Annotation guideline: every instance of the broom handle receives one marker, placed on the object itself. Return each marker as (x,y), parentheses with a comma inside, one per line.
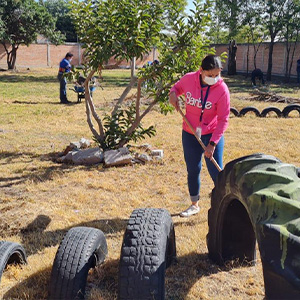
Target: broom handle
(198,138)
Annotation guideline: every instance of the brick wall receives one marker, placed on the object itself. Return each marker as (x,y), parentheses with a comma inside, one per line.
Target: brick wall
(279,57)
(47,55)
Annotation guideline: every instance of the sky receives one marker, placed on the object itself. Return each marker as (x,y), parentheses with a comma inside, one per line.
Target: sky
(190,5)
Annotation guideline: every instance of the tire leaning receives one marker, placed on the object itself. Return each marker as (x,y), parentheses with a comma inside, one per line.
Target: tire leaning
(148,248)
(257,197)
(11,253)
(81,249)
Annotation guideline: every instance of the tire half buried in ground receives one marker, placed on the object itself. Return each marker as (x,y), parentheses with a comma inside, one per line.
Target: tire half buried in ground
(292,107)
(271,109)
(148,249)
(81,249)
(11,253)
(248,109)
(258,197)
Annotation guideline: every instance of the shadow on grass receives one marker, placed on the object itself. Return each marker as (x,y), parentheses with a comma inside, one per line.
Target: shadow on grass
(34,238)
(112,81)
(21,78)
(104,277)
(242,84)
(50,102)
(34,287)
(36,174)
(190,268)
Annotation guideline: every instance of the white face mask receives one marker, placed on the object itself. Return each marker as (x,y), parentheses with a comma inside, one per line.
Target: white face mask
(211,80)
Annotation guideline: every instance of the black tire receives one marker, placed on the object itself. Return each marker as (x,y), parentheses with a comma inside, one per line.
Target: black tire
(234,111)
(274,109)
(81,249)
(249,109)
(148,249)
(289,108)
(257,197)
(11,253)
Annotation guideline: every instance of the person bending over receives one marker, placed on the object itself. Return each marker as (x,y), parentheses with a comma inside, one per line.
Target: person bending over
(207,103)
(257,74)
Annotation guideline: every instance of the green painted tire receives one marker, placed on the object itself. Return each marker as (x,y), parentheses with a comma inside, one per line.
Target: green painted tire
(258,198)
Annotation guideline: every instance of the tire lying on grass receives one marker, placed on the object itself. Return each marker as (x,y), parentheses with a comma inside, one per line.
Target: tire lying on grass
(257,197)
(11,253)
(81,249)
(148,248)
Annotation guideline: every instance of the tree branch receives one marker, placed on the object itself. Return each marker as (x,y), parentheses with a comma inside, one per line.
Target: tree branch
(124,94)
(89,120)
(138,99)
(89,100)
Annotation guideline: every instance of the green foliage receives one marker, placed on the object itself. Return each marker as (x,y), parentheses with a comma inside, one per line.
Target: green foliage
(179,53)
(123,29)
(60,10)
(117,126)
(130,28)
(23,21)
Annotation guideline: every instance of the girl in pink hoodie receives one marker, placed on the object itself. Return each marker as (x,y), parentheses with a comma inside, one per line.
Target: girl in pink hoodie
(207,103)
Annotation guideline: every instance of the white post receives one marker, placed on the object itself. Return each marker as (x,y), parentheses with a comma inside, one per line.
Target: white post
(79,54)
(133,62)
(48,55)
(154,53)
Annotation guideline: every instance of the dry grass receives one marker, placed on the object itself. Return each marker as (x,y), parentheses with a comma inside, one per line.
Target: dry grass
(40,200)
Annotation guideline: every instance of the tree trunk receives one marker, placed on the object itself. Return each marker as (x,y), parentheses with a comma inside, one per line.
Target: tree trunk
(288,49)
(270,62)
(293,54)
(248,49)
(232,58)
(12,57)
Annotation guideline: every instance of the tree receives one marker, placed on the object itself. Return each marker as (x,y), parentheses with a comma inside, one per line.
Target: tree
(272,12)
(252,29)
(129,28)
(232,58)
(1,23)
(228,15)
(60,10)
(290,33)
(23,21)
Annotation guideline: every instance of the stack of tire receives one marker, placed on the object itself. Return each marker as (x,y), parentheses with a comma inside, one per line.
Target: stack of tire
(266,111)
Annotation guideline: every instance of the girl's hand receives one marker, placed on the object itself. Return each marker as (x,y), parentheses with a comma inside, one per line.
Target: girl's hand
(209,151)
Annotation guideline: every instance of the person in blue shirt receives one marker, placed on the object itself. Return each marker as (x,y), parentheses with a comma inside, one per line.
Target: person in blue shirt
(64,67)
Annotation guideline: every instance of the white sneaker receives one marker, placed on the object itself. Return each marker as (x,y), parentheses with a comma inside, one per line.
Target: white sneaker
(192,210)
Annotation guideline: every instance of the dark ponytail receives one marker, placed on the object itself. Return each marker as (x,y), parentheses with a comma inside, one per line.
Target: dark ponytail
(211,62)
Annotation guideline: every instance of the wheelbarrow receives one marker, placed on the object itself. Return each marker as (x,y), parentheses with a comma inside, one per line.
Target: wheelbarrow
(80,90)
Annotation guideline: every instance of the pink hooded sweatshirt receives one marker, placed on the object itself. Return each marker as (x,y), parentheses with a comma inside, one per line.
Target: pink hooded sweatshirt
(217,108)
